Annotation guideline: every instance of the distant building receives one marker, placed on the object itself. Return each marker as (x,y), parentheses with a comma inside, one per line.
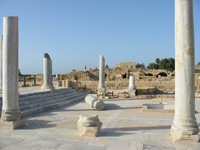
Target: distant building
(126,65)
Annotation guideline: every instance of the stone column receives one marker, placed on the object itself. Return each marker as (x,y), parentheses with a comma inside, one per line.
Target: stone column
(47,73)
(132,87)
(94,102)
(101,88)
(131,83)
(184,125)
(1,49)
(11,113)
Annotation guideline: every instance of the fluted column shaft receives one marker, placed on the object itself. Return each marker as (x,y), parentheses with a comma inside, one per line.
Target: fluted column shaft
(184,125)
(10,109)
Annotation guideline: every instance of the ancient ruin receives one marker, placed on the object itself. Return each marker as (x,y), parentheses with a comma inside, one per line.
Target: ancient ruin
(94,103)
(184,126)
(89,125)
(101,87)
(1,49)
(11,113)
(129,100)
(47,73)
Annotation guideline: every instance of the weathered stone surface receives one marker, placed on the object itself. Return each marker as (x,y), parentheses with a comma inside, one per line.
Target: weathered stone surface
(11,113)
(47,73)
(132,88)
(101,87)
(12,125)
(184,124)
(131,83)
(94,102)
(1,47)
(89,125)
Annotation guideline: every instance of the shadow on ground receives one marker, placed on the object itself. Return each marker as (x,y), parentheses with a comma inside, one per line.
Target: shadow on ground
(111,107)
(123,131)
(38,124)
(126,99)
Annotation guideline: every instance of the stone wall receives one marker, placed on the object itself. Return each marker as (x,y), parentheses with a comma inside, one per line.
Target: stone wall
(143,85)
(126,65)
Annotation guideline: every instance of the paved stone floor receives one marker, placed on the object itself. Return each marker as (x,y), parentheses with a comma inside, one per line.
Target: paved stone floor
(125,127)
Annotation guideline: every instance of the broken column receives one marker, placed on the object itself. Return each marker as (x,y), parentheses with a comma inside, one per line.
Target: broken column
(1,49)
(94,102)
(11,113)
(101,87)
(47,73)
(132,88)
(89,125)
(184,125)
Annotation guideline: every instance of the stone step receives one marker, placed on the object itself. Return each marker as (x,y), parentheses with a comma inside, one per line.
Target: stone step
(56,96)
(51,106)
(50,101)
(39,95)
(45,94)
(41,101)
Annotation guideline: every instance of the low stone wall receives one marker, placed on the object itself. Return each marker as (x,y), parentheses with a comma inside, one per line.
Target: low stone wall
(143,86)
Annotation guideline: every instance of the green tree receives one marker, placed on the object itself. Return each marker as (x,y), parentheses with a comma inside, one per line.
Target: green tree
(165,63)
(138,65)
(198,63)
(153,66)
(171,64)
(157,60)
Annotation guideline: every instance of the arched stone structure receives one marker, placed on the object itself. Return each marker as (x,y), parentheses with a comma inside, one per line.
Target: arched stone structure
(162,74)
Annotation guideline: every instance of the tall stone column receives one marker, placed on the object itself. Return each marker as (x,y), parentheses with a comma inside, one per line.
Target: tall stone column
(1,49)
(47,73)
(132,88)
(101,87)
(11,113)
(184,125)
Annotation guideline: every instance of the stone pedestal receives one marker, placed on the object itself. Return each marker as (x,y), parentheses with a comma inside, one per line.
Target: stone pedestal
(101,88)
(11,113)
(89,125)
(47,73)
(12,125)
(184,125)
(1,49)
(132,88)
(94,102)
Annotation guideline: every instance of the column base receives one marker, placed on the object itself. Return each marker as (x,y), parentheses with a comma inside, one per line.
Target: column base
(47,87)
(131,92)
(11,115)
(101,92)
(187,132)
(12,125)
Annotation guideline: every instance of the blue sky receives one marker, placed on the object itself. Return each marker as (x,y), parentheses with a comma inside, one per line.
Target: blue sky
(76,32)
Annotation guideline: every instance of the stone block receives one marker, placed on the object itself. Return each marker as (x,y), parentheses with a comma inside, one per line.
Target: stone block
(181,137)
(132,92)
(12,125)
(88,131)
(89,125)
